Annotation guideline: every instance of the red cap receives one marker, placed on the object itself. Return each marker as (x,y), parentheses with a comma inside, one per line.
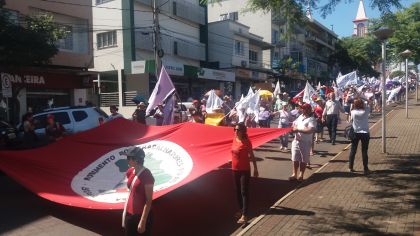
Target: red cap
(306,106)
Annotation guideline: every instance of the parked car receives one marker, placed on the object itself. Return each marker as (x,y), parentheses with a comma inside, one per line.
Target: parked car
(8,134)
(74,119)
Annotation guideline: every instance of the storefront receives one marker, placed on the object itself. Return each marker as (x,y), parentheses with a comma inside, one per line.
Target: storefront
(36,90)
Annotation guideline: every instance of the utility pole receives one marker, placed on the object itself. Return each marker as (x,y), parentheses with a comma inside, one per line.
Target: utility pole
(156,39)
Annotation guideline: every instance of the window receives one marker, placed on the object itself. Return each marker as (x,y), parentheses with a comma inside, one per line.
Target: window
(174,8)
(107,39)
(79,115)
(98,2)
(274,36)
(62,117)
(253,57)
(233,16)
(223,17)
(360,30)
(67,42)
(175,48)
(239,48)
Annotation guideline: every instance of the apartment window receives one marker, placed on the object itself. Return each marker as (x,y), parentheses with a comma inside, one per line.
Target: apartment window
(67,42)
(98,2)
(274,36)
(107,39)
(223,17)
(233,16)
(253,57)
(175,48)
(174,8)
(239,48)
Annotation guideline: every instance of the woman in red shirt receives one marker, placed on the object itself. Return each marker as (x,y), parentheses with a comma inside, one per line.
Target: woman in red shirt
(137,218)
(242,154)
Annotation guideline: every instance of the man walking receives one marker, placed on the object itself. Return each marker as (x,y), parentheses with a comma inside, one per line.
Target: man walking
(331,115)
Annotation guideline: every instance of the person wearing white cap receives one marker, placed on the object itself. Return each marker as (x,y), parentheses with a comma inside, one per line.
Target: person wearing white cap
(137,217)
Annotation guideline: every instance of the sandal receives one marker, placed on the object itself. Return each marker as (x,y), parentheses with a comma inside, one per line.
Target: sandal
(300,179)
(242,220)
(291,178)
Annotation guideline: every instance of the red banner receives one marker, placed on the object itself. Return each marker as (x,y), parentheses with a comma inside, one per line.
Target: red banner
(86,169)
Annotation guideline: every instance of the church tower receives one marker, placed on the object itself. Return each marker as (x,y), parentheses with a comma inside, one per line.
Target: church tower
(361,22)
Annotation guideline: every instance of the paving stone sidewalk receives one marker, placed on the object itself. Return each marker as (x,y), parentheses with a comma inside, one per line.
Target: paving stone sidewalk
(335,201)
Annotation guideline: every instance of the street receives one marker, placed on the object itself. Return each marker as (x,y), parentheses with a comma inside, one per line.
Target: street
(205,206)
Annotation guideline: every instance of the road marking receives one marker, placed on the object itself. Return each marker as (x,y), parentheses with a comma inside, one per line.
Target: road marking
(260,217)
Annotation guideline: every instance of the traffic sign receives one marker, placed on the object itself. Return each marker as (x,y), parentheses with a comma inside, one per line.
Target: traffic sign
(6,85)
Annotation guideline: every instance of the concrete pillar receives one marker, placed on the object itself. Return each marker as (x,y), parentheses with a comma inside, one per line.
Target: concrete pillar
(120,88)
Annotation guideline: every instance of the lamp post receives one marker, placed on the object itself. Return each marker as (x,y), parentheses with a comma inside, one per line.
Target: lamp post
(406,54)
(383,34)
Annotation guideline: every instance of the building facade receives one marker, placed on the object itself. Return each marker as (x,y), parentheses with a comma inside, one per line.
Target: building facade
(361,22)
(66,80)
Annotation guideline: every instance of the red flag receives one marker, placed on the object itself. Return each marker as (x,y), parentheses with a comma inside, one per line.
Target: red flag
(295,99)
(86,169)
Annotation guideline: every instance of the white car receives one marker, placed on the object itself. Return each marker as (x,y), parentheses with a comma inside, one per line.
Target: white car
(74,119)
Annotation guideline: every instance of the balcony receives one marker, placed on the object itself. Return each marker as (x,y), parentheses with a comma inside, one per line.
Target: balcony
(319,40)
(172,46)
(181,9)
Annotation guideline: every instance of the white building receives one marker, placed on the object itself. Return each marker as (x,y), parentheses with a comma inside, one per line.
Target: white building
(361,22)
(239,51)
(124,48)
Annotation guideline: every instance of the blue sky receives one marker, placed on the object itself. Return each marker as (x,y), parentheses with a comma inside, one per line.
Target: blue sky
(344,14)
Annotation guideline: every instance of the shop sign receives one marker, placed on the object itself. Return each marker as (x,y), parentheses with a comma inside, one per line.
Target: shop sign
(25,79)
(6,85)
(174,68)
(138,67)
(243,73)
(220,75)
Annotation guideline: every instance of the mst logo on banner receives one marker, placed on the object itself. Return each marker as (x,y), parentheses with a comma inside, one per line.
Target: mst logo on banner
(104,179)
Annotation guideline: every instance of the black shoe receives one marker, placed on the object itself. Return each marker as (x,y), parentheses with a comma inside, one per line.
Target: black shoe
(333,143)
(366,171)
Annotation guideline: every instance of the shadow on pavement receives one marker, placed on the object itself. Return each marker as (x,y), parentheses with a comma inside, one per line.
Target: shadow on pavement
(392,204)
(289,211)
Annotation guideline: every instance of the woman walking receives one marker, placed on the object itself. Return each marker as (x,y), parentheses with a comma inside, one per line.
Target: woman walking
(284,122)
(360,123)
(242,154)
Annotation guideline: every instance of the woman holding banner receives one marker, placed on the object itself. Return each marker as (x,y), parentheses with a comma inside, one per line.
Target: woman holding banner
(242,154)
(137,217)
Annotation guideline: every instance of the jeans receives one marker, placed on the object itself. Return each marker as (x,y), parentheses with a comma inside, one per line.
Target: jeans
(364,137)
(132,222)
(242,186)
(284,140)
(332,121)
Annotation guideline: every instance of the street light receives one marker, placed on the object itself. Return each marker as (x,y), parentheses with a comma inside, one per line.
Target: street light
(383,34)
(406,54)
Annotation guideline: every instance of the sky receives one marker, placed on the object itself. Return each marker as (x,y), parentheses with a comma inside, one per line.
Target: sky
(341,20)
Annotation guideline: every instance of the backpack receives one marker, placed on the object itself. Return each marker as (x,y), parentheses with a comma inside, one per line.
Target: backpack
(349,132)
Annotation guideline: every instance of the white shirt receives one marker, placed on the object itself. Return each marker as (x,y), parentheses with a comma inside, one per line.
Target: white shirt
(360,120)
(304,122)
(284,117)
(332,108)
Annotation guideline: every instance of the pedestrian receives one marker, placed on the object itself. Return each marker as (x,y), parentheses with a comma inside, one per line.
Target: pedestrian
(263,117)
(331,115)
(284,122)
(159,115)
(360,123)
(30,138)
(114,113)
(242,154)
(303,127)
(318,110)
(137,215)
(54,130)
(139,114)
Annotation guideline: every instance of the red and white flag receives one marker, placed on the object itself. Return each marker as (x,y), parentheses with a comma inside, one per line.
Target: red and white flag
(87,169)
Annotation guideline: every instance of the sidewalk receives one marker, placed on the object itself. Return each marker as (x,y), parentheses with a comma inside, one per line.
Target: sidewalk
(335,201)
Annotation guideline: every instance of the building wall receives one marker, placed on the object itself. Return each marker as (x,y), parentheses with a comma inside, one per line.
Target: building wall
(69,13)
(105,20)
(221,44)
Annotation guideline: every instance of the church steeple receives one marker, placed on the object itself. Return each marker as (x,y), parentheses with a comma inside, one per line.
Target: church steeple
(360,22)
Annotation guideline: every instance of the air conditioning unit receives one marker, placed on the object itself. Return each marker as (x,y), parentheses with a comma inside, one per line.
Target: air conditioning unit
(244,63)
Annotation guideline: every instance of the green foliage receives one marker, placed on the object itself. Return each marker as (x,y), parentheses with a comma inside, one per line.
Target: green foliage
(29,40)
(406,24)
(357,53)
(396,73)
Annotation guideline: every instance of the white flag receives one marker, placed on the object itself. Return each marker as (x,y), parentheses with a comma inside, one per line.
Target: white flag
(277,89)
(213,102)
(163,89)
(309,91)
(347,79)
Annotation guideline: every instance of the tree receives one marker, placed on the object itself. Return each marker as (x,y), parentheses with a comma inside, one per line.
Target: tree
(27,40)
(357,53)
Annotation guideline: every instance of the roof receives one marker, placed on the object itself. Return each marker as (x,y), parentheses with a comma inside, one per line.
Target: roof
(361,14)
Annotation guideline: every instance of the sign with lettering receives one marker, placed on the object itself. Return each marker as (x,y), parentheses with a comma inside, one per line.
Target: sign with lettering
(6,85)
(205,73)
(174,68)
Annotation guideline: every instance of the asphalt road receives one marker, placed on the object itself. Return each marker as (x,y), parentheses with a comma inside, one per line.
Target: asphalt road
(205,206)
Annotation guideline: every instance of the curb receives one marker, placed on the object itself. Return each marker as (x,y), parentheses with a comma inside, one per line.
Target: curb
(260,217)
